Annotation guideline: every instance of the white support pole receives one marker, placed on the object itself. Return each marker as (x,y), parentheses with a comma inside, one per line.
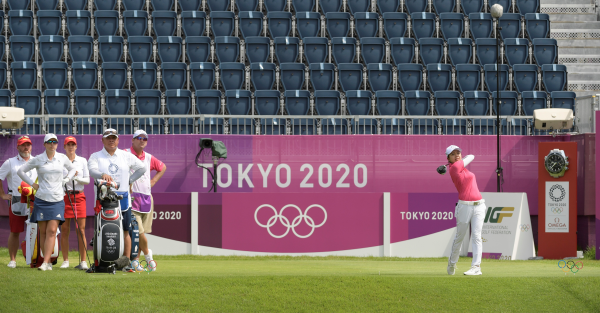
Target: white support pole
(194,217)
(387,248)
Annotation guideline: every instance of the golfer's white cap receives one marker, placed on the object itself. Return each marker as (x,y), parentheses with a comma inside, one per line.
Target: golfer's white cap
(140,132)
(49,137)
(452,148)
(110,132)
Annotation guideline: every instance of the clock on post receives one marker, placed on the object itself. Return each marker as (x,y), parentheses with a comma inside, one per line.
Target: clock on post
(556,163)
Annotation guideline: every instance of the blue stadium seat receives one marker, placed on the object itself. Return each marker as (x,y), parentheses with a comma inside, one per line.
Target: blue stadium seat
(80,4)
(525,77)
(308,23)
(468,77)
(193,23)
(179,101)
(78,22)
(262,75)
(424,127)
(364,126)
(366,24)
(447,102)
(358,102)
(238,102)
(174,74)
(122,125)
(357,6)
(208,101)
(246,5)
(303,126)
(46,4)
(453,126)
(537,25)
(22,48)
(297,102)
(286,49)
(251,23)
(330,6)
(393,126)
(303,5)
(232,75)
(394,24)
(202,75)
(388,102)
(516,50)
(81,48)
(459,50)
(338,23)
(147,101)
(24,74)
(222,23)
(107,22)
(275,126)
(211,126)
(292,75)
(554,77)
(372,50)
(135,22)
(152,126)
(59,126)
(162,5)
(452,24)
(322,75)
(51,47)
(267,102)
(164,23)
(491,77)
(189,5)
(57,101)
(169,48)
(29,100)
(533,100)
(90,126)
(49,22)
(417,102)
(18,4)
(476,102)
(280,23)
(241,126)
(380,76)
(486,51)
(275,5)
(350,76)
(480,25)
(423,23)
(118,101)
(528,6)
(443,6)
(114,74)
(334,126)
(227,49)
(110,48)
(545,51)
(563,100)
(508,104)
(327,102)
(431,50)
(315,49)
(105,4)
(402,50)
(471,6)
(3,72)
(439,76)
(54,74)
(416,6)
(130,4)
(410,76)
(144,74)
(506,4)
(343,49)
(511,25)
(84,74)
(197,48)
(3,46)
(87,101)
(217,5)
(140,48)
(388,6)
(20,22)
(258,49)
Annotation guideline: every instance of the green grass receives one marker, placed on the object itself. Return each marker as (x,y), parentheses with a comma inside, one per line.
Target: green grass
(208,283)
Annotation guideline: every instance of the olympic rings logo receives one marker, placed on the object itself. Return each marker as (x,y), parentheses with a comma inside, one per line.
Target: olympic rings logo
(570,265)
(525,227)
(286,222)
(143,266)
(556,210)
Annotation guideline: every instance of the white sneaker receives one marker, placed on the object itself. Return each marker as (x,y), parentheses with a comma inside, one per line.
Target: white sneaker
(45,267)
(151,265)
(65,264)
(82,266)
(12,264)
(451,268)
(139,268)
(475,270)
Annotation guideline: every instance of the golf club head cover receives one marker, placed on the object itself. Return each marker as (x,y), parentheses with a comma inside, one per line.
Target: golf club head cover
(122,262)
(441,170)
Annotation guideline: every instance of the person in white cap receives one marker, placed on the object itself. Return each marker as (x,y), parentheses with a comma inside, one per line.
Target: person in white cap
(470,208)
(113,164)
(143,204)
(49,206)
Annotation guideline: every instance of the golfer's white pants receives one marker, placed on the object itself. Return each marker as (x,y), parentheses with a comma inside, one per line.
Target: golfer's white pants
(468,214)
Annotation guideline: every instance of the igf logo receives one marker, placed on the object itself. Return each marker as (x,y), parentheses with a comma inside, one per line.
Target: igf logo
(495,215)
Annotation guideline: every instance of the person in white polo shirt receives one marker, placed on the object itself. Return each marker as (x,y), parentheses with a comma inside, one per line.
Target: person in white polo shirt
(18,212)
(113,164)
(49,205)
(143,204)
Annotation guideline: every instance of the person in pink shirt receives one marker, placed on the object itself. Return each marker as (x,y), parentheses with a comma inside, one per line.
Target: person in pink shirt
(142,204)
(470,208)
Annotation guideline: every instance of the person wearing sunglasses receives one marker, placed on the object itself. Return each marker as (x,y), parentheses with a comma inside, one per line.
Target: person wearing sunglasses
(17,215)
(143,205)
(113,164)
(49,205)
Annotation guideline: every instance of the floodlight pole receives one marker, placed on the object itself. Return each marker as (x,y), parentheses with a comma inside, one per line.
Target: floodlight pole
(496,14)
